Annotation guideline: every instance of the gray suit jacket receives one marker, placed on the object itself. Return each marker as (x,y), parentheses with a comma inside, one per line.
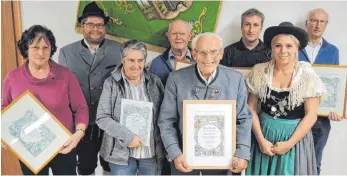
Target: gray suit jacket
(91,71)
(186,84)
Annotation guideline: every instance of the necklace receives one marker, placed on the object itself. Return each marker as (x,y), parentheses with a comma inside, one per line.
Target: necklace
(278,107)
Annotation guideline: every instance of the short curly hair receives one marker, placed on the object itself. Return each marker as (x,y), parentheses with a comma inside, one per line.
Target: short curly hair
(29,36)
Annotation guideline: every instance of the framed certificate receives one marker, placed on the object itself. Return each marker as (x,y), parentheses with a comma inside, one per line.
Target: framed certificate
(244,70)
(31,132)
(137,116)
(182,64)
(335,79)
(209,133)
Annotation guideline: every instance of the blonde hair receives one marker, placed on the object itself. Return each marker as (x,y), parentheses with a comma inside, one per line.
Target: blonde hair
(296,41)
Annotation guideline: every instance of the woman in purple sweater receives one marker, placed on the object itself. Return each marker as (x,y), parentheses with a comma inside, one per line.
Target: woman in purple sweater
(55,87)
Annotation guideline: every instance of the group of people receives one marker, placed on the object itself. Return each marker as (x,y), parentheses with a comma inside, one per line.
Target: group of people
(276,105)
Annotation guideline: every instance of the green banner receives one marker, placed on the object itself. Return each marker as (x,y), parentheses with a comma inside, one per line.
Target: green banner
(148,20)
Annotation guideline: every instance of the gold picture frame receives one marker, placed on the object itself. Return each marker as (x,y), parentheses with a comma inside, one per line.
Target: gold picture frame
(31,132)
(209,133)
(335,79)
(244,70)
(182,64)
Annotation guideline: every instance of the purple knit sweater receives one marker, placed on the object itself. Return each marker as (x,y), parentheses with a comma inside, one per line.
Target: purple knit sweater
(60,93)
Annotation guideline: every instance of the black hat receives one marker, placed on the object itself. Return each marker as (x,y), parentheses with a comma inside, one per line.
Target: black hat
(92,9)
(286,28)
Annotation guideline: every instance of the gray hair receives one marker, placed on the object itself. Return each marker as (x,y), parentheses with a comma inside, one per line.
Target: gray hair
(197,37)
(189,26)
(252,12)
(313,10)
(133,45)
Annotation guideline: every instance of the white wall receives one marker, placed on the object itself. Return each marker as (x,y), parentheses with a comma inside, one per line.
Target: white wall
(60,18)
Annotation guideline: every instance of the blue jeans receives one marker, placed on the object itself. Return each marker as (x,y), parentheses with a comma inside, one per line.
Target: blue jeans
(320,131)
(148,166)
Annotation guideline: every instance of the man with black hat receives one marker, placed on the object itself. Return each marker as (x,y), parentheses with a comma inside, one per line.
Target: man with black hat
(91,59)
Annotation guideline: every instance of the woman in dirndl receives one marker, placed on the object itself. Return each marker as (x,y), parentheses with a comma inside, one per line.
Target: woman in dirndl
(289,92)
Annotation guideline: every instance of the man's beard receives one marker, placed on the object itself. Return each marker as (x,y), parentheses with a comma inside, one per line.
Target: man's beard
(94,41)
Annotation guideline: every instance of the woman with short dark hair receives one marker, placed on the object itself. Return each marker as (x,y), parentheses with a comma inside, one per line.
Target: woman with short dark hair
(57,89)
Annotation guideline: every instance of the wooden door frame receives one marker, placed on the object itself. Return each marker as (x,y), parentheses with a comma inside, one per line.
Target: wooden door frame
(17,21)
(13,10)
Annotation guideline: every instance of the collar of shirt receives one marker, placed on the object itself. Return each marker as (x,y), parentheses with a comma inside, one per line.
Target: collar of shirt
(52,74)
(210,79)
(126,79)
(188,55)
(312,51)
(90,47)
(319,43)
(259,47)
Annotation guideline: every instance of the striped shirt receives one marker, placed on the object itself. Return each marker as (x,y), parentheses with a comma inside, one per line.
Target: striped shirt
(139,92)
(238,55)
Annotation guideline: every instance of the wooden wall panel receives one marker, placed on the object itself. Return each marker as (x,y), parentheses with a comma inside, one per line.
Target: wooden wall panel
(10,31)
(17,23)
(8,48)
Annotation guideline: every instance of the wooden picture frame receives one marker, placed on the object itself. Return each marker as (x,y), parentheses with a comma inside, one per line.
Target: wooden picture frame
(335,79)
(244,70)
(31,132)
(182,64)
(209,133)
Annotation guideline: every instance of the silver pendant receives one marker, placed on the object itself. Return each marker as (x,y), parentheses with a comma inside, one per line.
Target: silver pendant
(273,109)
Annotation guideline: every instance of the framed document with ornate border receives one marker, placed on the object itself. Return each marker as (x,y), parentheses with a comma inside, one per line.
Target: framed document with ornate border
(31,132)
(137,116)
(209,133)
(335,79)
(182,64)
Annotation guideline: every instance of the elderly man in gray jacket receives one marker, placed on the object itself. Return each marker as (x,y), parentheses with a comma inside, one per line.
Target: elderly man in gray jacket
(122,147)
(206,80)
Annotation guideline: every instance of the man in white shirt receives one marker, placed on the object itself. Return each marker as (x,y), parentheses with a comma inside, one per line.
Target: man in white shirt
(319,51)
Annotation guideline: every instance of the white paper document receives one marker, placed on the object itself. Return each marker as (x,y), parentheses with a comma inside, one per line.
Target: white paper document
(137,116)
(209,133)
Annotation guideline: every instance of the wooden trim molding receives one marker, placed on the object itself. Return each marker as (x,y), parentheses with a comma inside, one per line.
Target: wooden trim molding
(17,22)
(11,31)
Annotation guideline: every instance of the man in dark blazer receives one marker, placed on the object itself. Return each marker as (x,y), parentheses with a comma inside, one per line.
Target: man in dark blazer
(91,60)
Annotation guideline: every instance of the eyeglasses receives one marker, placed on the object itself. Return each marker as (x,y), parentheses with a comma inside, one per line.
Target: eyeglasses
(92,25)
(321,22)
(177,34)
(212,53)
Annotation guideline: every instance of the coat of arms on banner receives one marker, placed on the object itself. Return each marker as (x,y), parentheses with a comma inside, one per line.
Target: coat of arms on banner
(148,20)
